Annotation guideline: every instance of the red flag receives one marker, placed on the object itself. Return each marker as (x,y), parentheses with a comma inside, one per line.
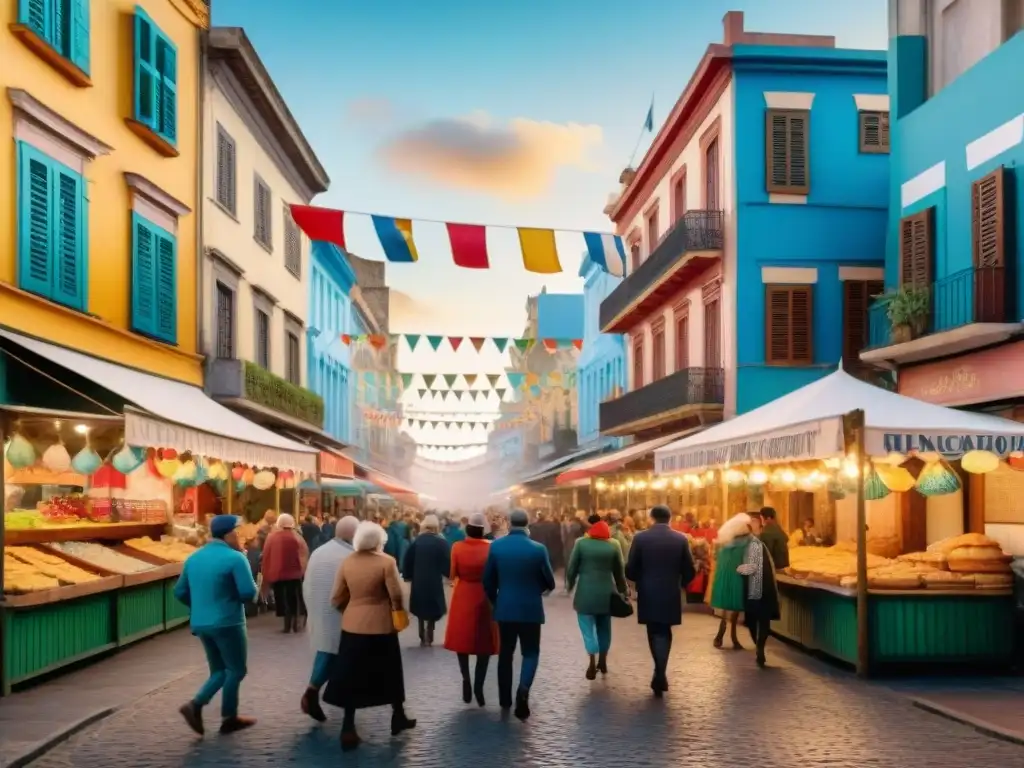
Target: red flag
(477,342)
(455,341)
(346,339)
(469,245)
(578,343)
(378,341)
(321,223)
(550,344)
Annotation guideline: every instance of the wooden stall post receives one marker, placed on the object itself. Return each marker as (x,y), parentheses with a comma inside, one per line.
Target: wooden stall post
(5,689)
(230,494)
(853,428)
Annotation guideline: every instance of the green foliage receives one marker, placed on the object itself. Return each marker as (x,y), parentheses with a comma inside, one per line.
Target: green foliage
(907,306)
(263,387)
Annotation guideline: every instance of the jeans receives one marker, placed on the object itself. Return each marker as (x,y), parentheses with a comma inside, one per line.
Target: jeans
(322,665)
(528,637)
(226,651)
(659,640)
(596,631)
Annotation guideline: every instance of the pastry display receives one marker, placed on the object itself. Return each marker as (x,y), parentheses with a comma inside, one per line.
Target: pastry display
(101,557)
(168,548)
(49,565)
(21,578)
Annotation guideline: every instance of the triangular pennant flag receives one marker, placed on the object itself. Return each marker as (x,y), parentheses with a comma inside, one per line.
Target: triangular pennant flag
(449,379)
(458,424)
(500,342)
(578,343)
(532,379)
(470,379)
(477,342)
(535,391)
(428,379)
(435,341)
(406,380)
(500,393)
(493,378)
(422,423)
(456,342)
(473,394)
(346,339)
(550,344)
(516,379)
(422,393)
(523,345)
(566,343)
(378,341)
(409,423)
(412,339)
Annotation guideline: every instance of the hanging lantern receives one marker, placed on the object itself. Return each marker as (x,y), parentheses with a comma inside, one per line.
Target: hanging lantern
(937,479)
(757,476)
(237,471)
(185,474)
(56,458)
(263,480)
(874,488)
(309,484)
(108,476)
(19,452)
(248,475)
(929,457)
(979,462)
(1016,461)
(168,454)
(86,461)
(896,479)
(168,468)
(128,459)
(735,478)
(218,470)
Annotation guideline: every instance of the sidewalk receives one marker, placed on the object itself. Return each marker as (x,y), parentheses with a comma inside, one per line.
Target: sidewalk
(994,706)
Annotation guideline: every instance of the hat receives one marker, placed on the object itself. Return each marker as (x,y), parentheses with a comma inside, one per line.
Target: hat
(479,520)
(222,525)
(518,519)
(285,521)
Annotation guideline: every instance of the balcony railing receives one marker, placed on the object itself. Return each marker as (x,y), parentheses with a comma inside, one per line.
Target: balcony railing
(244,380)
(689,386)
(695,231)
(965,297)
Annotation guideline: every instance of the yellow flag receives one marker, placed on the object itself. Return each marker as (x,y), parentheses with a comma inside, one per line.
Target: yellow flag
(404,227)
(539,252)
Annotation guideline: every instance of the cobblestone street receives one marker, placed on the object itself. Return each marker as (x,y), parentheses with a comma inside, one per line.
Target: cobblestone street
(722,711)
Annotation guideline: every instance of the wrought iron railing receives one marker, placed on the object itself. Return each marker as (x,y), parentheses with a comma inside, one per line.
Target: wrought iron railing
(689,386)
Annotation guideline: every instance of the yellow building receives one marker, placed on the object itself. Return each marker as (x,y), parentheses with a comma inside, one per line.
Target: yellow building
(99,178)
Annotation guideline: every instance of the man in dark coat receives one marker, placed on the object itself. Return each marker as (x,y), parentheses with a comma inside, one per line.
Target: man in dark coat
(549,533)
(661,565)
(427,563)
(774,538)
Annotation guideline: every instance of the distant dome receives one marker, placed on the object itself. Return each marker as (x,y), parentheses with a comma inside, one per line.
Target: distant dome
(627,176)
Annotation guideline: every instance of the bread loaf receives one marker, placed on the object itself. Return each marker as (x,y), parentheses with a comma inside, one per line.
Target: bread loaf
(894,582)
(979,566)
(993,580)
(965,540)
(935,559)
(994,553)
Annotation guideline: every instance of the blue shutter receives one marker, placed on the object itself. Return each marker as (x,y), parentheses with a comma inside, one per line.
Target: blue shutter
(167,89)
(143,276)
(34,14)
(166,287)
(79,34)
(145,70)
(69,252)
(35,224)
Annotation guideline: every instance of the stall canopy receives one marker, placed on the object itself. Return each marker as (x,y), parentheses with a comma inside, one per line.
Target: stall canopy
(610,462)
(552,467)
(177,415)
(350,486)
(808,424)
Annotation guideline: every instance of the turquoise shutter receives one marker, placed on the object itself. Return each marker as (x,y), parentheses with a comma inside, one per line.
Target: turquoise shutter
(34,14)
(166,285)
(69,254)
(79,33)
(143,276)
(167,90)
(35,255)
(145,71)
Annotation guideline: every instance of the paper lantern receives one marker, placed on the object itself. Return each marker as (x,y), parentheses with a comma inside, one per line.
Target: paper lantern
(937,479)
(261,481)
(168,468)
(929,457)
(185,474)
(979,462)
(874,488)
(309,484)
(128,459)
(20,453)
(237,471)
(56,458)
(734,477)
(893,459)
(168,454)
(86,461)
(896,479)
(108,476)
(247,476)
(757,476)
(218,470)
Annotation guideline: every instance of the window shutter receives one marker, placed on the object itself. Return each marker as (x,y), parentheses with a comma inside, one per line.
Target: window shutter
(59,37)
(35,235)
(80,34)
(916,249)
(34,14)
(787,150)
(777,323)
(988,246)
(778,176)
(144,278)
(789,322)
(145,71)
(69,255)
(166,289)
(874,132)
(857,298)
(226,183)
(713,334)
(799,173)
(167,90)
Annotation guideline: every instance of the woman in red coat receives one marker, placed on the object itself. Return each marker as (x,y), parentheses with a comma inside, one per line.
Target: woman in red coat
(471,631)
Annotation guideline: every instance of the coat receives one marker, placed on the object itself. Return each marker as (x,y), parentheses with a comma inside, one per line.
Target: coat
(399,535)
(516,576)
(596,571)
(777,542)
(317,588)
(284,557)
(366,590)
(216,582)
(549,533)
(426,564)
(471,628)
(660,564)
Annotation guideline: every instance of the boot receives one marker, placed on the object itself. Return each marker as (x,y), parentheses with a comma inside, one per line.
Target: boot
(467,690)
(602,663)
(522,710)
(592,668)
(349,740)
(430,633)
(423,633)
(720,636)
(193,715)
(236,723)
(310,705)
(400,722)
(736,646)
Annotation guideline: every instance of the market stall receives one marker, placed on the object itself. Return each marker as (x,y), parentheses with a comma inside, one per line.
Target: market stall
(915,573)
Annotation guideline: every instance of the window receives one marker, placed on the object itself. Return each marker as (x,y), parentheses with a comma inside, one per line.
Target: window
(292,244)
(261,213)
(638,361)
(857,297)
(988,247)
(62,24)
(787,138)
(679,196)
(634,256)
(52,229)
(225,322)
(789,322)
(156,79)
(713,333)
(262,339)
(917,254)
(652,230)
(658,356)
(682,322)
(711,180)
(294,360)
(873,130)
(226,179)
(154,281)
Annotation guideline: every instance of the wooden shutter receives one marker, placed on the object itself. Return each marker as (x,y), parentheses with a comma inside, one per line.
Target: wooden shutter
(226,179)
(658,351)
(166,289)
(225,322)
(789,323)
(682,320)
(32,13)
(146,75)
(916,249)
(874,132)
(79,43)
(787,143)
(167,89)
(143,278)
(638,362)
(69,252)
(35,227)
(988,247)
(713,334)
(857,298)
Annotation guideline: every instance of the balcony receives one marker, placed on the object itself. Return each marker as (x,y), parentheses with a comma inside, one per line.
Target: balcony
(692,394)
(970,309)
(264,396)
(692,245)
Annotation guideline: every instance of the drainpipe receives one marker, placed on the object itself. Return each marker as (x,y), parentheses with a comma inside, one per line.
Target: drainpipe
(201,139)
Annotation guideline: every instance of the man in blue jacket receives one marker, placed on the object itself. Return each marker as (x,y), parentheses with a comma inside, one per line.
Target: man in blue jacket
(216,583)
(517,576)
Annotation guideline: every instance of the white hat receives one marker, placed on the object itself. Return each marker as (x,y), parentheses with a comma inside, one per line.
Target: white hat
(479,520)
(285,521)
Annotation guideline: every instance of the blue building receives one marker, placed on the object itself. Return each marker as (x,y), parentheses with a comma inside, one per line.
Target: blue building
(330,316)
(951,318)
(559,315)
(601,365)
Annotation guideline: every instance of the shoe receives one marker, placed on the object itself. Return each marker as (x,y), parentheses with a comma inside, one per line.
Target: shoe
(591,670)
(349,741)
(762,662)
(467,691)
(310,705)
(193,715)
(602,663)
(718,641)
(401,723)
(522,710)
(479,693)
(236,723)
(737,646)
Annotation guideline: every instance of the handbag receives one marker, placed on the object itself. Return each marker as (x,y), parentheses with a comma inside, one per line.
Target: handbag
(400,620)
(619,607)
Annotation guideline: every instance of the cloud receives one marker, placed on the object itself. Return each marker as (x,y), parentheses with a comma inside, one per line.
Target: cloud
(369,110)
(516,161)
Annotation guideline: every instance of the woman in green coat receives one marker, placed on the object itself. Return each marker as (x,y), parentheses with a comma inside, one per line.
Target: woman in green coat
(727,587)
(596,571)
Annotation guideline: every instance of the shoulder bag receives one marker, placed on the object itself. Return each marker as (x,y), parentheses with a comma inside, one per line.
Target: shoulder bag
(619,607)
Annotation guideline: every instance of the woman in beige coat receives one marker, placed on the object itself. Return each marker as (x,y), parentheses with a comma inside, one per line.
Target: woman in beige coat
(368,671)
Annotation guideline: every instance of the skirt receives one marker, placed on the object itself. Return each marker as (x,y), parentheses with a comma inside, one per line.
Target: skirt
(288,598)
(727,592)
(367,672)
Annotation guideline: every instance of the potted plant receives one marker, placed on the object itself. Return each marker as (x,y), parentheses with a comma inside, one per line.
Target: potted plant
(908,312)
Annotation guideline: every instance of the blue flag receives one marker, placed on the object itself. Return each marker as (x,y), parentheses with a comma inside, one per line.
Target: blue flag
(649,122)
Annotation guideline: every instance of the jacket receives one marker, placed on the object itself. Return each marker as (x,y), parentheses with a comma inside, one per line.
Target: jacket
(596,571)
(778,545)
(284,557)
(661,565)
(426,565)
(366,590)
(517,574)
(317,590)
(470,627)
(215,583)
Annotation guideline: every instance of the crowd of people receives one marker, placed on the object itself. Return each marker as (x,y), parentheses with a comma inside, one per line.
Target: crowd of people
(341,581)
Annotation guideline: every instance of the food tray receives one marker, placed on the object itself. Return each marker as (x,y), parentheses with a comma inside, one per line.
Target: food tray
(162,569)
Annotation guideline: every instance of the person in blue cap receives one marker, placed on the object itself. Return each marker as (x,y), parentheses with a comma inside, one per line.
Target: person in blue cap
(216,583)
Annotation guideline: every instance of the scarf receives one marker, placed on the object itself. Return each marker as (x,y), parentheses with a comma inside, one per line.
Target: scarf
(755,557)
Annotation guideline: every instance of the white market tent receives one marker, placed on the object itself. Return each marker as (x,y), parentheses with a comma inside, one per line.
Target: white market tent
(808,424)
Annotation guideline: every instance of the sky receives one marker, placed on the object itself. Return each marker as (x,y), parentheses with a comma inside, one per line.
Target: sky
(506,114)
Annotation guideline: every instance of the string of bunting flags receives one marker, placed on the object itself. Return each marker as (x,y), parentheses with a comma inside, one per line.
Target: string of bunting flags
(484,382)
(468,241)
(501,343)
(446,447)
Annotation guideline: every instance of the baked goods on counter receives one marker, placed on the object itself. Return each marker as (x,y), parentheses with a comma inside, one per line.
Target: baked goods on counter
(21,578)
(103,558)
(45,564)
(973,553)
(168,548)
